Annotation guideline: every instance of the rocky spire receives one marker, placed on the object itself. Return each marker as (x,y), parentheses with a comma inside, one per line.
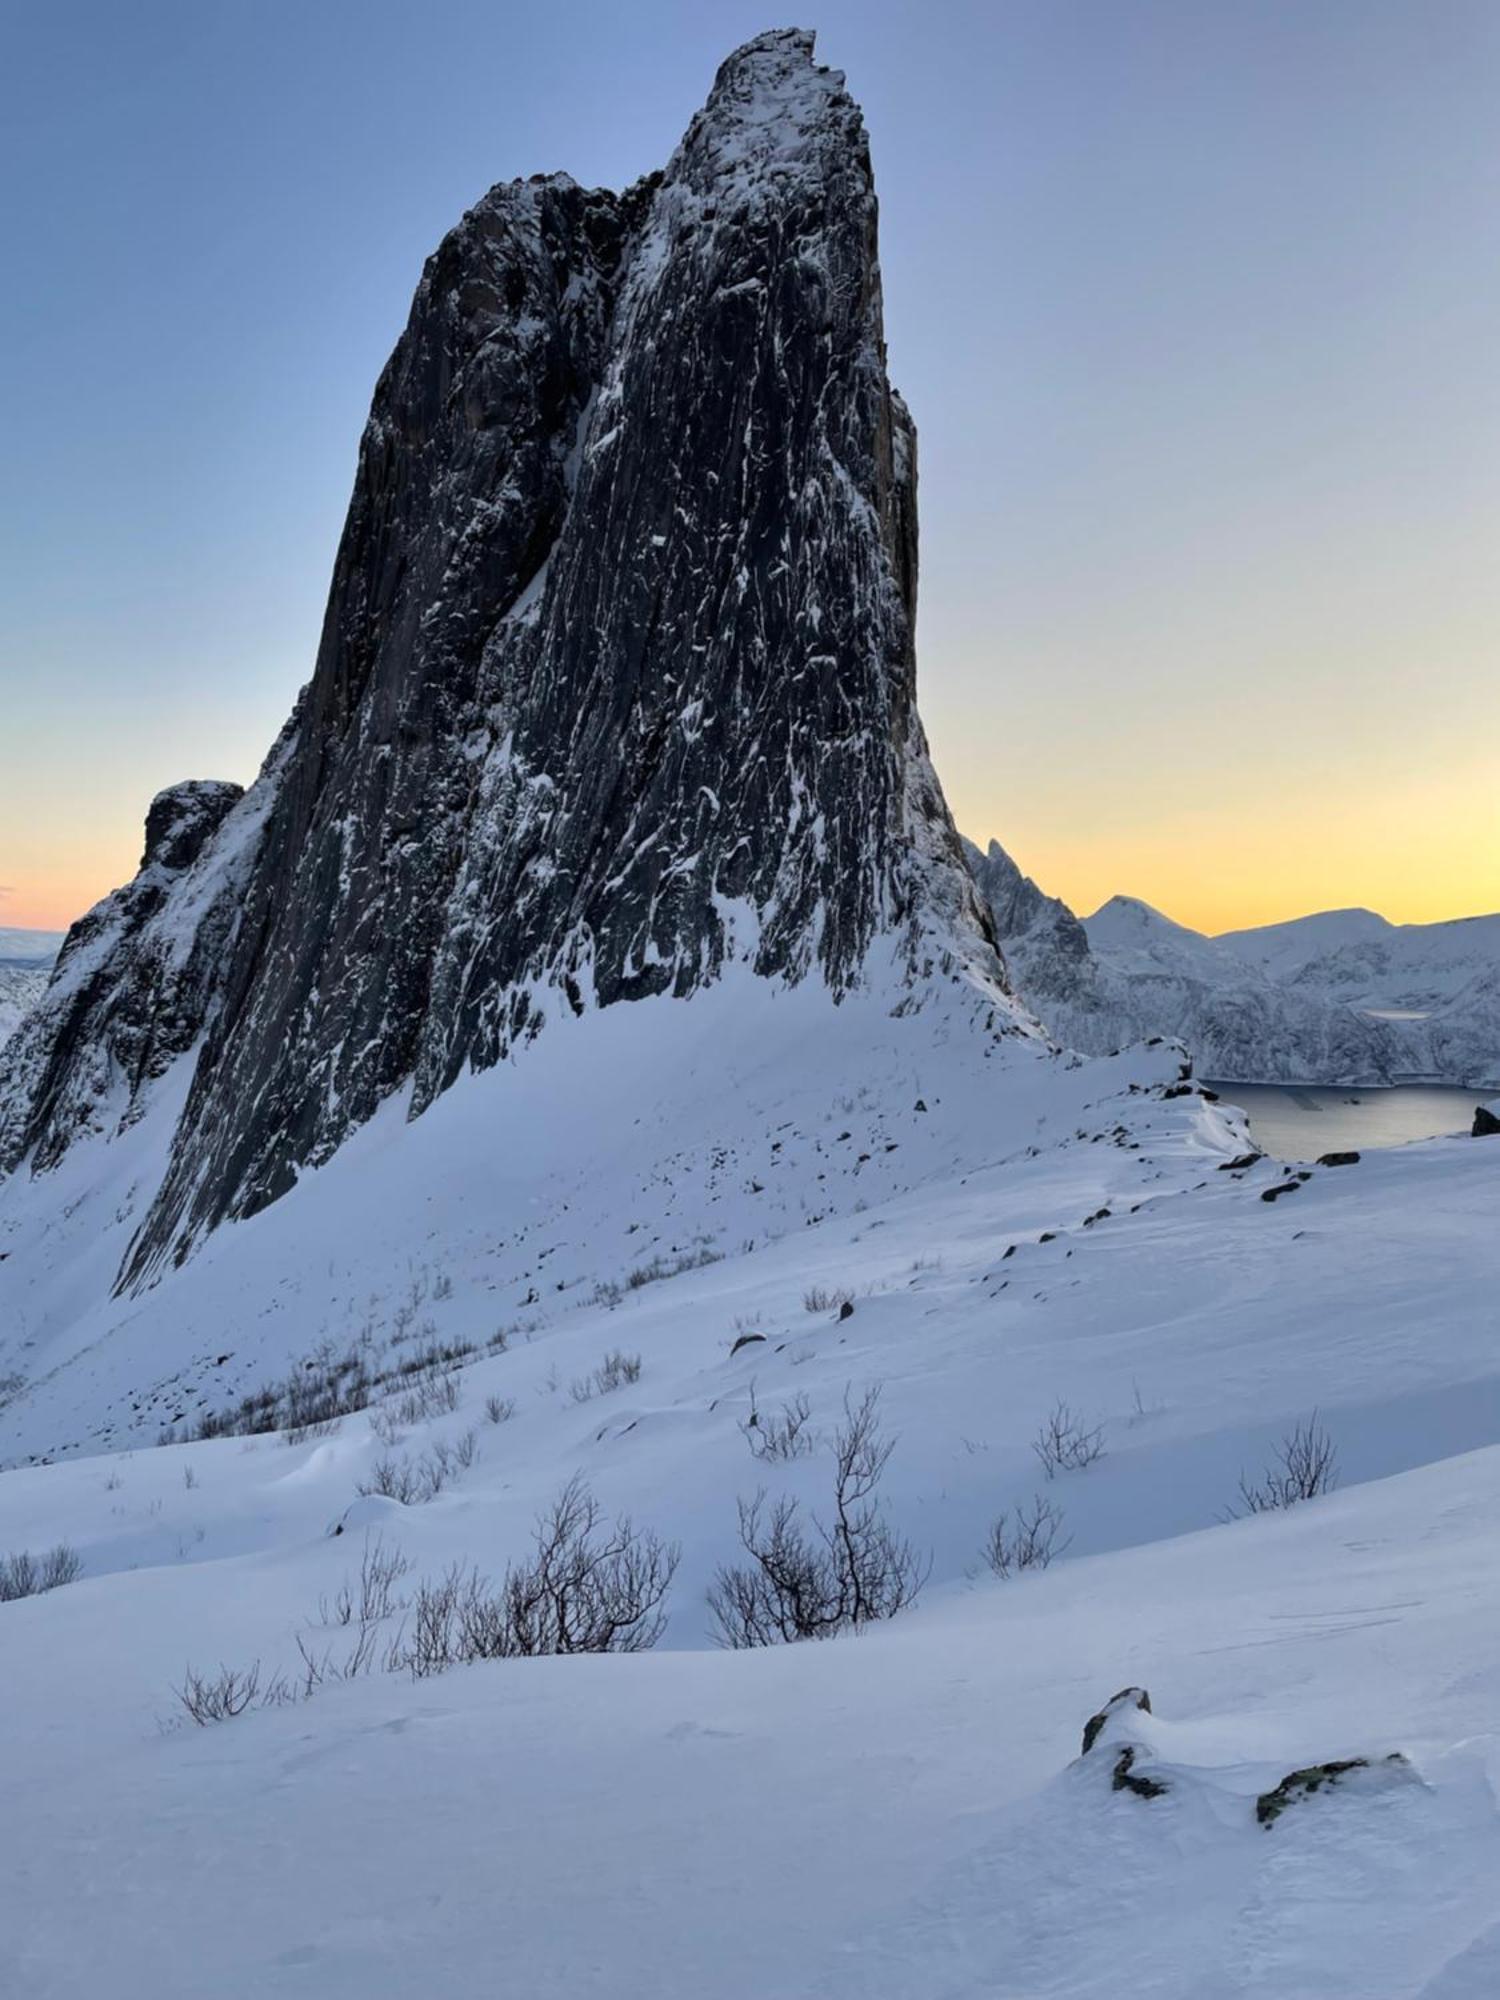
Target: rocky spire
(616,679)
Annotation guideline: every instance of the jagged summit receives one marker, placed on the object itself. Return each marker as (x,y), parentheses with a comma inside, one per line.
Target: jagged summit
(616,682)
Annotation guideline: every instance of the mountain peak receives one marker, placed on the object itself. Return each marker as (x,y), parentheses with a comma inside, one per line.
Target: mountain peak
(616,685)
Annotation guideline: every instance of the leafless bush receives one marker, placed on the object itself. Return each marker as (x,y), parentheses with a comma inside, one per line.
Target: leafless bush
(429,1396)
(811,1583)
(817,1299)
(26,1575)
(442,1286)
(668,1267)
(1306,1465)
(221,1696)
(436,1356)
(590,1587)
(781,1437)
(499,1409)
(613,1372)
(384,1426)
(1065,1443)
(413,1481)
(376,1597)
(1030,1543)
(326,1386)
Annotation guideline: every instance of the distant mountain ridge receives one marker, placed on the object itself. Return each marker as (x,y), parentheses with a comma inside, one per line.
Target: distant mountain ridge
(26,959)
(1340,997)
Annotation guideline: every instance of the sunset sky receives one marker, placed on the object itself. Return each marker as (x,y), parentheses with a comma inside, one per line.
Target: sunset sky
(1197,307)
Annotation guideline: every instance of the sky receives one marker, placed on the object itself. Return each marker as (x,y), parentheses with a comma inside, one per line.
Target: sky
(1196,304)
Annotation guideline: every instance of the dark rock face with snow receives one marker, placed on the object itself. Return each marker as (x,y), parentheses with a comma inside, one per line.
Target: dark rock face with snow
(616,680)
(130,991)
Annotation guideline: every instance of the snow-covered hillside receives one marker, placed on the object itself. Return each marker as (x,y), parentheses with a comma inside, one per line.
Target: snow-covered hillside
(909,1804)
(1339,998)
(1359,958)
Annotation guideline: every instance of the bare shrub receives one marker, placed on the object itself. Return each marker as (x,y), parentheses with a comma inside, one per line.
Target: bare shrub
(413,1481)
(613,1372)
(783,1436)
(26,1575)
(430,1396)
(222,1696)
(1065,1443)
(590,1587)
(499,1409)
(326,1386)
(817,1299)
(375,1597)
(1306,1465)
(668,1267)
(811,1583)
(384,1426)
(1029,1543)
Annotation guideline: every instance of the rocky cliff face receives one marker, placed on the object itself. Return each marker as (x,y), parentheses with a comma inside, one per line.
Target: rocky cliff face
(616,679)
(132,987)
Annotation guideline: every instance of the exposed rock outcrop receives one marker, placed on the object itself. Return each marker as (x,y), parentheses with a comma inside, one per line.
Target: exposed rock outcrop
(1118,1704)
(133,984)
(1312,1778)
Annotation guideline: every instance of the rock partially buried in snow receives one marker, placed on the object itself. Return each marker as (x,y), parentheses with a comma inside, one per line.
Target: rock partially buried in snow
(1338,1159)
(1486,1120)
(1297,1785)
(1127,1779)
(1130,1697)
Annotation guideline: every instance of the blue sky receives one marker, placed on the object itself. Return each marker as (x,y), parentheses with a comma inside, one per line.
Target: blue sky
(1197,307)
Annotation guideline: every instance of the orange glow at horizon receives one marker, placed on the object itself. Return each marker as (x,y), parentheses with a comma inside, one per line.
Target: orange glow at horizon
(1431,853)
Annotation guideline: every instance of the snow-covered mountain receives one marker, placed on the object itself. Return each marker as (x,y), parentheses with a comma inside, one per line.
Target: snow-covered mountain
(26,959)
(582,1065)
(1359,958)
(1340,998)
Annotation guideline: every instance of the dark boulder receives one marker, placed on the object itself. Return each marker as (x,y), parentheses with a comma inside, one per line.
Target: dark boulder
(1310,1779)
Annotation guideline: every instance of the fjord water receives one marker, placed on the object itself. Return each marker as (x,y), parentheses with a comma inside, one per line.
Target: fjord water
(1298,1121)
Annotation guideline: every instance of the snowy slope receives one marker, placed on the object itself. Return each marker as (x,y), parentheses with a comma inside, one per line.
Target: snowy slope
(910,1813)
